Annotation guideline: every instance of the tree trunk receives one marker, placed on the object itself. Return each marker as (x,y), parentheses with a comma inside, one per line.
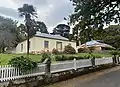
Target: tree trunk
(28,41)
(3,49)
(28,25)
(28,35)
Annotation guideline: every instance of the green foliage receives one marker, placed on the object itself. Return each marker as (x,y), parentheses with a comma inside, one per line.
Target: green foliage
(40,26)
(61,57)
(92,15)
(85,10)
(23,63)
(35,26)
(9,33)
(83,50)
(64,57)
(113,36)
(118,53)
(58,57)
(92,56)
(7,39)
(114,52)
(69,49)
(45,56)
(109,48)
(62,29)
(55,51)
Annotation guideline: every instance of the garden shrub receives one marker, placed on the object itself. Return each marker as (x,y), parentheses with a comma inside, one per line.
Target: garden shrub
(97,56)
(45,55)
(92,56)
(115,52)
(109,48)
(72,57)
(87,56)
(81,57)
(64,58)
(55,51)
(83,50)
(58,58)
(118,53)
(61,58)
(76,57)
(23,63)
(69,49)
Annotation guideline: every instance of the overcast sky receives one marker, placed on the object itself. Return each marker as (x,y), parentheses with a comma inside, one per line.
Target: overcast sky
(52,12)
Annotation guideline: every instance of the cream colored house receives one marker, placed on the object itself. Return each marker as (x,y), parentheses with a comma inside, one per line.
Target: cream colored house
(44,42)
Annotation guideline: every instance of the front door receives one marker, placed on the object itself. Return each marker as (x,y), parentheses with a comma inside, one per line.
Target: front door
(59,46)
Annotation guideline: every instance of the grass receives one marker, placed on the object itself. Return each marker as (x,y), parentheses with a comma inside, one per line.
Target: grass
(4,58)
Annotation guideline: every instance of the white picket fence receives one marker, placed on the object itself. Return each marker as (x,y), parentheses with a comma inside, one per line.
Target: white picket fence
(10,73)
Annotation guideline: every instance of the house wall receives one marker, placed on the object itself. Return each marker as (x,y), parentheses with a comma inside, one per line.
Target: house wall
(98,49)
(32,44)
(37,45)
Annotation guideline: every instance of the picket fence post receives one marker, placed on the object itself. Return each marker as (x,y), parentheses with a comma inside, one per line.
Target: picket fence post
(93,62)
(75,64)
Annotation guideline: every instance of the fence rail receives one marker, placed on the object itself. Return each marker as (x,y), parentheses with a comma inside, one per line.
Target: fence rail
(8,72)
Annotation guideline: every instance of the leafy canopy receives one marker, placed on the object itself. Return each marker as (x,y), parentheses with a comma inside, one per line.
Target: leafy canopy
(9,33)
(112,36)
(27,11)
(62,29)
(90,15)
(95,12)
(37,26)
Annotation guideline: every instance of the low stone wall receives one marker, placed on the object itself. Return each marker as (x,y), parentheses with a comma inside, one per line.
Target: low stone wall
(40,81)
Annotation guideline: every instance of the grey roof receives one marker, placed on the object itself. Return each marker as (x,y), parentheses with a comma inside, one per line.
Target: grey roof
(94,42)
(39,34)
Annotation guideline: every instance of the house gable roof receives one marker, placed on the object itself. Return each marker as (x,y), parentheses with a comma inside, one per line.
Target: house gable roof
(39,34)
(50,36)
(94,42)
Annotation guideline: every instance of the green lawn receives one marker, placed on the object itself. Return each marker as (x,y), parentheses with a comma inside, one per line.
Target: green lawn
(4,58)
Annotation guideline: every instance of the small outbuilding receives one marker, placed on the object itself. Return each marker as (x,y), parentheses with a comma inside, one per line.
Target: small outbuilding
(96,44)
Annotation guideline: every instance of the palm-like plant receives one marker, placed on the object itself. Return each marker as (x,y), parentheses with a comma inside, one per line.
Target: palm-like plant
(28,12)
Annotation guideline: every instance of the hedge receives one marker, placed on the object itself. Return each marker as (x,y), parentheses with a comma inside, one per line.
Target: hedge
(64,57)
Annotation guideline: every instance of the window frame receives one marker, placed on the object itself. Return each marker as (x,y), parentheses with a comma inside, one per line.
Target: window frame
(46,44)
(58,42)
(21,47)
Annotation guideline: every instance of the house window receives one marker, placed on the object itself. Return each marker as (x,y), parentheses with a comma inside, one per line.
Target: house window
(46,44)
(59,46)
(21,47)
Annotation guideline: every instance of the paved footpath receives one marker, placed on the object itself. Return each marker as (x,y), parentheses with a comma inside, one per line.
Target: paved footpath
(104,78)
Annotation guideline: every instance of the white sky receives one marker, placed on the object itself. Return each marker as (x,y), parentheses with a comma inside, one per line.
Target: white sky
(51,12)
